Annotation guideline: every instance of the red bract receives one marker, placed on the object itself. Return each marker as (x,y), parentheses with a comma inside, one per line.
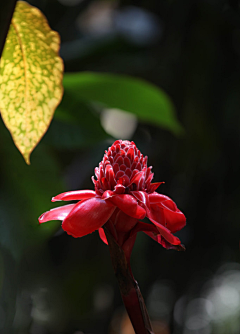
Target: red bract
(123,196)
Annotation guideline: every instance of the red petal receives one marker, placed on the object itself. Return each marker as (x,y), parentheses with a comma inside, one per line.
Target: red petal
(87,216)
(154,186)
(115,168)
(123,222)
(166,233)
(129,205)
(74,195)
(159,238)
(175,220)
(127,162)
(142,197)
(128,172)
(59,213)
(119,174)
(171,216)
(119,189)
(130,153)
(102,235)
(107,194)
(136,178)
(110,176)
(119,160)
(105,183)
(153,232)
(157,198)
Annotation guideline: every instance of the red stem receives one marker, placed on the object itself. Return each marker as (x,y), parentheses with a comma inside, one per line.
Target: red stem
(129,288)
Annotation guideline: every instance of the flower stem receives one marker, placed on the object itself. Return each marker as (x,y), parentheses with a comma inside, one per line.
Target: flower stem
(129,288)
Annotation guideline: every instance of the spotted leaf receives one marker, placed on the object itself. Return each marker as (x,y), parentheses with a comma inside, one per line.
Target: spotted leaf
(30,77)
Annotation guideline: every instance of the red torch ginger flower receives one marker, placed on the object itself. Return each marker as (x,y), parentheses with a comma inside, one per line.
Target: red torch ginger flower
(123,196)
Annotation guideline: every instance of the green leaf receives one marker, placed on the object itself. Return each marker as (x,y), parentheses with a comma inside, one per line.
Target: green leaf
(30,77)
(148,102)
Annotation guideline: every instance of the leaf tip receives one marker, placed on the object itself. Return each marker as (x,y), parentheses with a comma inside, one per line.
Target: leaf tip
(26,157)
(178,130)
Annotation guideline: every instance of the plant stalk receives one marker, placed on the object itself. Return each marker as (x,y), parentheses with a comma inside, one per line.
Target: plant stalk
(131,294)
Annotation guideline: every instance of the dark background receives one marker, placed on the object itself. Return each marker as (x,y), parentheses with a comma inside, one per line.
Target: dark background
(52,283)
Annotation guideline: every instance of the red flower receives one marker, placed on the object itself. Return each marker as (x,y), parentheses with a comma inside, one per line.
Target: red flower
(123,196)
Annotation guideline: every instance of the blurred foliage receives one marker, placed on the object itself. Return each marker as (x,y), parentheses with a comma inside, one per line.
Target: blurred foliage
(147,102)
(29,191)
(76,124)
(52,283)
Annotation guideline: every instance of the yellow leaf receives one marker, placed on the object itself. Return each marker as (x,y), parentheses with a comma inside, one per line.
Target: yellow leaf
(30,77)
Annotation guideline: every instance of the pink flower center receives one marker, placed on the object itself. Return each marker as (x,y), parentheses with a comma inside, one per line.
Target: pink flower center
(123,169)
